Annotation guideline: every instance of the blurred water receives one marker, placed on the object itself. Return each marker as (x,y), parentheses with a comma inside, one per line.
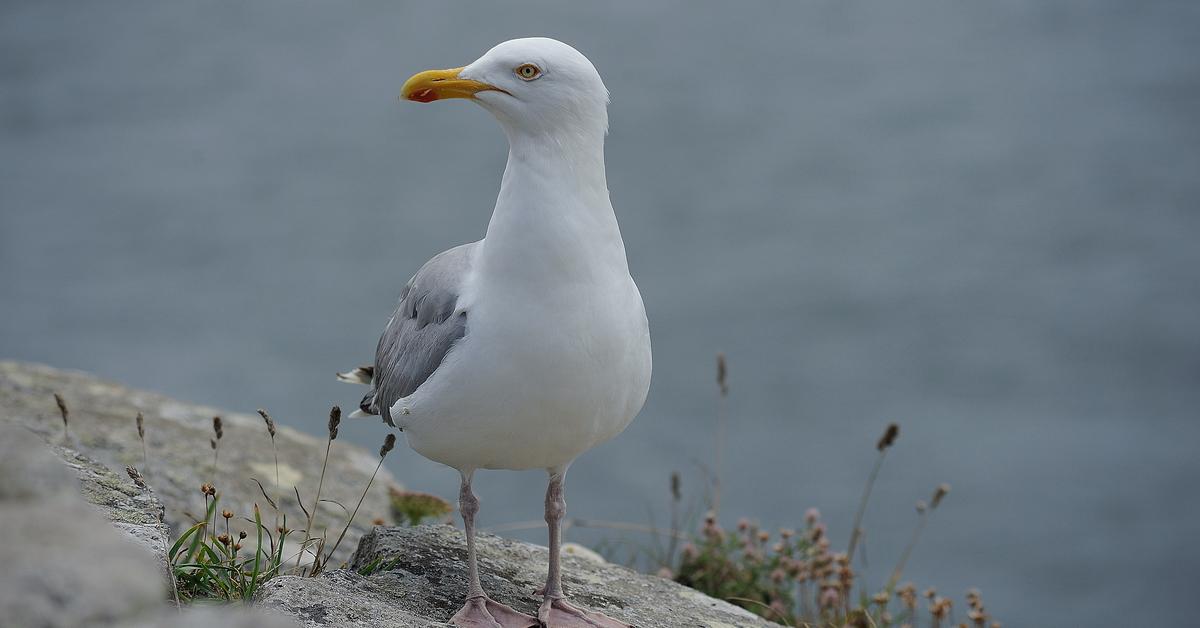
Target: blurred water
(977,219)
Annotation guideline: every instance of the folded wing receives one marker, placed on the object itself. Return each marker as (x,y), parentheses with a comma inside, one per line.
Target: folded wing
(426,324)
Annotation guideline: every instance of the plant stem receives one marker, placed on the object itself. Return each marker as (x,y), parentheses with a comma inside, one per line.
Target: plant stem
(278,488)
(719,458)
(912,543)
(308,533)
(862,505)
(352,515)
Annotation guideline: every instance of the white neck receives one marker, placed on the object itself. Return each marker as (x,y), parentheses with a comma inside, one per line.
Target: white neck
(553,220)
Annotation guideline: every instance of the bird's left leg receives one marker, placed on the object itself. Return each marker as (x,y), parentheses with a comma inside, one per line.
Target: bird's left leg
(481,611)
(556,611)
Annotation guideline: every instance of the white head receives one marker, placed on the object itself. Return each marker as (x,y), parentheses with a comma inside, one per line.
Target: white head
(534,86)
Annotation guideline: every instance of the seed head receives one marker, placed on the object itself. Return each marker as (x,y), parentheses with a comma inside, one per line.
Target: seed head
(377,521)
(921,506)
(223,538)
(938,494)
(889,437)
(63,407)
(136,476)
(242,534)
(270,422)
(389,442)
(335,419)
(811,516)
(212,442)
(217,428)
(722,371)
(204,488)
(228,514)
(141,426)
(237,546)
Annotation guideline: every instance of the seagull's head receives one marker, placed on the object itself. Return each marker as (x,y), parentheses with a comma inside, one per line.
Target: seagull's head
(533,86)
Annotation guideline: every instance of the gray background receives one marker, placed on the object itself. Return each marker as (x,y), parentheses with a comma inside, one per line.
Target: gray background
(977,219)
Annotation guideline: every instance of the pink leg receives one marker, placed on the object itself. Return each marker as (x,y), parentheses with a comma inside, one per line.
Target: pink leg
(556,611)
(480,611)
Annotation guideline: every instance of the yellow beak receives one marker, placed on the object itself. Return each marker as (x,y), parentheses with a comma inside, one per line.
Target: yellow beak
(432,85)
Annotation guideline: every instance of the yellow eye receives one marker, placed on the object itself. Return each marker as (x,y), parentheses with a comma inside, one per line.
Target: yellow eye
(528,71)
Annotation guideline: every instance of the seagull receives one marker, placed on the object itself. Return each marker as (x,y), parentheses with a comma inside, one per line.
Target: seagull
(531,346)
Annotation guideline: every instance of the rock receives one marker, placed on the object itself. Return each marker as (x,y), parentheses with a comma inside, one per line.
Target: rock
(179,458)
(64,565)
(419,579)
(212,617)
(25,473)
(341,598)
(133,510)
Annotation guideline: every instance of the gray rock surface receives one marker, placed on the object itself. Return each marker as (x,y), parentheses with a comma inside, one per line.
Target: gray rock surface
(213,617)
(179,458)
(68,562)
(64,565)
(81,548)
(133,510)
(421,580)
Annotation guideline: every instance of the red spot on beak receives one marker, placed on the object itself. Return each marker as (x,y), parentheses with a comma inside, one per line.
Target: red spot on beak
(423,95)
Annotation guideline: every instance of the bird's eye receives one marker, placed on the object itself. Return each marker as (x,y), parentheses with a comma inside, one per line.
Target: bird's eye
(528,72)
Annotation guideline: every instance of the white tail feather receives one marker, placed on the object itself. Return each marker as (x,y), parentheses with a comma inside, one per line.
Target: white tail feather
(361,375)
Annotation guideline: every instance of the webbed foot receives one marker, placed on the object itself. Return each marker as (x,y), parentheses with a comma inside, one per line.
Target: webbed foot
(555,612)
(484,612)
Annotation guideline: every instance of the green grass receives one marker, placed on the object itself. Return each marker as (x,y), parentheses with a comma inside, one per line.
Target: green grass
(208,565)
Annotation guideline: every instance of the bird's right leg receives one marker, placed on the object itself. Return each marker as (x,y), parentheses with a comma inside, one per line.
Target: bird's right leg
(481,611)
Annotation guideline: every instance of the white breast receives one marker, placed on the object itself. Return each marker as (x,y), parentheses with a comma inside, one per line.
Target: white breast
(535,385)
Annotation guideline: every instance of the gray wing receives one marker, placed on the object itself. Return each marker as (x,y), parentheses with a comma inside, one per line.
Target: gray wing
(426,323)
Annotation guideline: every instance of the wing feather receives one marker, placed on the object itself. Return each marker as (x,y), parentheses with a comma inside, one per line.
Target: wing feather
(426,324)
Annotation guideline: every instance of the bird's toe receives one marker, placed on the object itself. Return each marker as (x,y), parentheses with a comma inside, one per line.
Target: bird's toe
(484,612)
